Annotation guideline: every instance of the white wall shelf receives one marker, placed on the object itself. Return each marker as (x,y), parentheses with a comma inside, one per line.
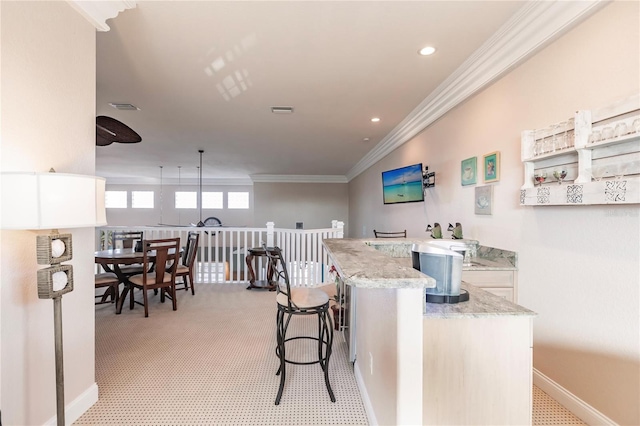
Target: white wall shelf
(602,161)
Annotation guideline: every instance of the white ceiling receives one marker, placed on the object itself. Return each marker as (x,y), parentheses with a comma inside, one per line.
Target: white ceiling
(205,74)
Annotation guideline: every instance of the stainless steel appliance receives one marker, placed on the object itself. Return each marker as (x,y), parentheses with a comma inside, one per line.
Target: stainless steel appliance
(441,260)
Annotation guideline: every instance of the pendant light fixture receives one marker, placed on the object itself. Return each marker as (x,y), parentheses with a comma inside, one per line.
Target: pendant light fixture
(200,223)
(161,222)
(179,189)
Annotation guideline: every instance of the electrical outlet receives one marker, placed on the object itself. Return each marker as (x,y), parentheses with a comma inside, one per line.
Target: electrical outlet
(371,363)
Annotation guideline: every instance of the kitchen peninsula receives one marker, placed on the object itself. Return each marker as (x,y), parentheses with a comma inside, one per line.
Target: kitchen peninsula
(419,363)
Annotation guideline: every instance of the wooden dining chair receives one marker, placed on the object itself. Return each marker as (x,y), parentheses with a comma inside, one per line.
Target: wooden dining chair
(128,240)
(164,254)
(395,234)
(110,280)
(185,269)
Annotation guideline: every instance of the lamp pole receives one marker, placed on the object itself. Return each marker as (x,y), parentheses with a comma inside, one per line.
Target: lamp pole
(57,327)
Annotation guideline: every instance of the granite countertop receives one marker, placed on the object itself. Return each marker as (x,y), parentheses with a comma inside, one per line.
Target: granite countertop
(362,266)
(374,263)
(480,304)
(486,258)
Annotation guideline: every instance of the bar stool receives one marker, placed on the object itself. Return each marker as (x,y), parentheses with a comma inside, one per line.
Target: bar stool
(300,301)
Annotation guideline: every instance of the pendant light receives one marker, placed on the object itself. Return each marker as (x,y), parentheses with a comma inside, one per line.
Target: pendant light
(179,189)
(161,222)
(200,223)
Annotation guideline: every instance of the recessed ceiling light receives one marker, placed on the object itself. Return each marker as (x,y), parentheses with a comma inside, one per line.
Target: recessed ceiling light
(366,139)
(426,51)
(282,110)
(125,107)
(375,119)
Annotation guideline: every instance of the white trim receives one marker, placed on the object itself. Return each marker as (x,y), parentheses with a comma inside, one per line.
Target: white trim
(78,406)
(534,26)
(366,401)
(300,178)
(182,182)
(578,407)
(97,12)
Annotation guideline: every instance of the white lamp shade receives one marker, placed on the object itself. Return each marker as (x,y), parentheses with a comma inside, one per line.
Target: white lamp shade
(51,200)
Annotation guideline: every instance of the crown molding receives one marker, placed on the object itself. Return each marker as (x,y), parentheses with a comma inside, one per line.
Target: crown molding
(532,27)
(181,182)
(300,178)
(97,12)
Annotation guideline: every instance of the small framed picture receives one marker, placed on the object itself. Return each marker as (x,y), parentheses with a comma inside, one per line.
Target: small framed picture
(468,171)
(492,167)
(483,200)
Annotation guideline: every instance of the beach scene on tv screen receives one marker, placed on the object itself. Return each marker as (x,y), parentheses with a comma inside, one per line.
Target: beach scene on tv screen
(402,185)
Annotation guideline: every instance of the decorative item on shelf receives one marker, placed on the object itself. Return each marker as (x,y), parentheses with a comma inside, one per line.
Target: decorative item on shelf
(436,231)
(483,200)
(456,231)
(428,178)
(539,178)
(33,201)
(492,167)
(636,125)
(468,171)
(559,175)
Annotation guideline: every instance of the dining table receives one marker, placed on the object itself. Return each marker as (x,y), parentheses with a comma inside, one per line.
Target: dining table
(112,259)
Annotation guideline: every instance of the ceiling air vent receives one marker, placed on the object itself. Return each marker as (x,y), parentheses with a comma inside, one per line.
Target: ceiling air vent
(124,107)
(282,110)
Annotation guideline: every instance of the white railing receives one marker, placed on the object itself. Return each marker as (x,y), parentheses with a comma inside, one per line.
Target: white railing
(222,250)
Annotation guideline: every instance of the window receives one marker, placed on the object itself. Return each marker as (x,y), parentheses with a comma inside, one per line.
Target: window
(238,200)
(212,200)
(186,200)
(142,199)
(115,199)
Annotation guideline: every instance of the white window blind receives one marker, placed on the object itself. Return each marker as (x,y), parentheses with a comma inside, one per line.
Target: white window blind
(142,199)
(238,200)
(115,199)
(212,200)
(186,200)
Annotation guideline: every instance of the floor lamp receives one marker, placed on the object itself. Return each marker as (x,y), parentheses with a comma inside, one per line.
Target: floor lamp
(34,201)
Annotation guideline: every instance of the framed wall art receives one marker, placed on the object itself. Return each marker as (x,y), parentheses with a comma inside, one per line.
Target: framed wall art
(492,167)
(468,171)
(483,200)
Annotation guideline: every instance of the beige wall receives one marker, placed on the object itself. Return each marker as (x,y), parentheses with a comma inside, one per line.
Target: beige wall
(579,267)
(172,216)
(314,204)
(48,112)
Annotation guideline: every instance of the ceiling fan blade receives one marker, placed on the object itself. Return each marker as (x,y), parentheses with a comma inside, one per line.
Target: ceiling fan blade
(100,141)
(111,130)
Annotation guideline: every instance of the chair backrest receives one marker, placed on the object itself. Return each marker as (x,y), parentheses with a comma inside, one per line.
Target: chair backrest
(164,254)
(127,238)
(279,267)
(189,255)
(395,234)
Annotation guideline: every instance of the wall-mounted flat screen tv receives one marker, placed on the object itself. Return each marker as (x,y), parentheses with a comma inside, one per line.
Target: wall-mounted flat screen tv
(403,185)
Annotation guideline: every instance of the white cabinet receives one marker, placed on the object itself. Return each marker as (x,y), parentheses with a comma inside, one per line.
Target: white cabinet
(477,371)
(602,160)
(500,283)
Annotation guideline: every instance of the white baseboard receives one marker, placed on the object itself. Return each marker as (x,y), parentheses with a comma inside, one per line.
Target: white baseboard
(78,406)
(368,408)
(578,407)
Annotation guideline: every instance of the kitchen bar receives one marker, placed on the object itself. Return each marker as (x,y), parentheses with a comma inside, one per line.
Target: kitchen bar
(423,363)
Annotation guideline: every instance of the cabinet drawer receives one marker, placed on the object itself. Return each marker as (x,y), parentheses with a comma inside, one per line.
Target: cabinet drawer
(488,278)
(505,293)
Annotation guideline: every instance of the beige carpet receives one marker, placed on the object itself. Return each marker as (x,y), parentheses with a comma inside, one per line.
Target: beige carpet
(212,362)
